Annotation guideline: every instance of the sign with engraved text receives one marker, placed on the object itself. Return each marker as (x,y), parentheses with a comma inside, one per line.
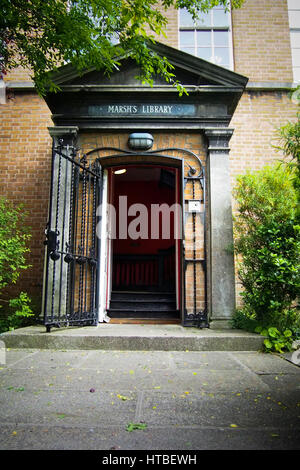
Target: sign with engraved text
(155,110)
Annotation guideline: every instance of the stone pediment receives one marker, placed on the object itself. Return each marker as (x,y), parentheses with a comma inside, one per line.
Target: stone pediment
(188,69)
(92,99)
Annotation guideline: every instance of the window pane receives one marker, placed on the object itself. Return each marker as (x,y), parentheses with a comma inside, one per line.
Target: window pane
(294,17)
(220,18)
(221,55)
(221,38)
(204,19)
(203,38)
(188,50)
(205,53)
(293,4)
(296,57)
(185,18)
(295,38)
(297,74)
(186,38)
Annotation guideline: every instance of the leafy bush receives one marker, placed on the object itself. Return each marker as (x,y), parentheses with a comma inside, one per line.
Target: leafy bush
(267,245)
(288,137)
(18,312)
(276,340)
(14,236)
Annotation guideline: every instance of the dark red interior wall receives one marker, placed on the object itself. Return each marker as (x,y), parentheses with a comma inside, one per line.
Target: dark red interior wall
(146,193)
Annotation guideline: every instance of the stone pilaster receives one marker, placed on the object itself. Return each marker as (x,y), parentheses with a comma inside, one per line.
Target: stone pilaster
(221,273)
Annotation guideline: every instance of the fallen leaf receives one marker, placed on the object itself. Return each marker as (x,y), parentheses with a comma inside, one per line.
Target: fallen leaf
(122,397)
(136,426)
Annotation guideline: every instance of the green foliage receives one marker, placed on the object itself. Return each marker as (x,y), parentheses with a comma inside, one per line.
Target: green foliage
(267,245)
(289,143)
(276,340)
(19,311)
(44,34)
(243,320)
(14,236)
(136,426)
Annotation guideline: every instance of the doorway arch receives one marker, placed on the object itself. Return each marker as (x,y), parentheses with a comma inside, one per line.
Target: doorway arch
(192,253)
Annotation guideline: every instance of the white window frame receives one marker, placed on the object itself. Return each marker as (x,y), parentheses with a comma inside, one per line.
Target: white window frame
(212,29)
(291,7)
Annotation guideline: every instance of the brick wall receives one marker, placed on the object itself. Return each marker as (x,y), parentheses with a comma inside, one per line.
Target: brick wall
(261,41)
(25,159)
(255,122)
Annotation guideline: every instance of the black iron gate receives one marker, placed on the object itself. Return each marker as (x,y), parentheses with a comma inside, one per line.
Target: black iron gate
(71,274)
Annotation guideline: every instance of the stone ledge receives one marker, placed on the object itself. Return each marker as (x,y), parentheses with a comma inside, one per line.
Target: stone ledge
(133,338)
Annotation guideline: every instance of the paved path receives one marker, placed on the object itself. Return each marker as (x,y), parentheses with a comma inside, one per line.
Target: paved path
(80,399)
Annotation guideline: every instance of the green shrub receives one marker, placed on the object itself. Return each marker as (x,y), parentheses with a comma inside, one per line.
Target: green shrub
(18,312)
(14,236)
(276,340)
(267,245)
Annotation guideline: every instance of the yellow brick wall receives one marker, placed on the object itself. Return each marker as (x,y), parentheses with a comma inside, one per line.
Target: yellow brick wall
(19,74)
(255,122)
(261,41)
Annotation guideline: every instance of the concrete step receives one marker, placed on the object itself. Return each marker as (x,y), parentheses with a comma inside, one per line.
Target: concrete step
(141,313)
(134,337)
(142,295)
(142,305)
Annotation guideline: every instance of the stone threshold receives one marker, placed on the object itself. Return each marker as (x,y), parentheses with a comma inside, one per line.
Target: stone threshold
(133,337)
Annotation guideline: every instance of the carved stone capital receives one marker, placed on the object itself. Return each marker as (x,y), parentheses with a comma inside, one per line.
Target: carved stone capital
(64,135)
(218,139)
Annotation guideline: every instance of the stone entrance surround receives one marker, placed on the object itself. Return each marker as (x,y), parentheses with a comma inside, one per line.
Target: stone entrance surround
(92,104)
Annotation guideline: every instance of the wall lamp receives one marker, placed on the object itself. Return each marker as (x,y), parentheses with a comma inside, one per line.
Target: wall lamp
(140,141)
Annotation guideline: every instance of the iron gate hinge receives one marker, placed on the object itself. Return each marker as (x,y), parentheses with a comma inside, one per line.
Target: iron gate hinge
(52,242)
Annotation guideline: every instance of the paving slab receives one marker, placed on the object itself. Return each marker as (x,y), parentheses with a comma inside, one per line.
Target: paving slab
(188,400)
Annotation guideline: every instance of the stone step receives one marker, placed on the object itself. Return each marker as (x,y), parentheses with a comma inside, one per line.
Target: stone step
(155,306)
(142,313)
(143,296)
(139,337)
